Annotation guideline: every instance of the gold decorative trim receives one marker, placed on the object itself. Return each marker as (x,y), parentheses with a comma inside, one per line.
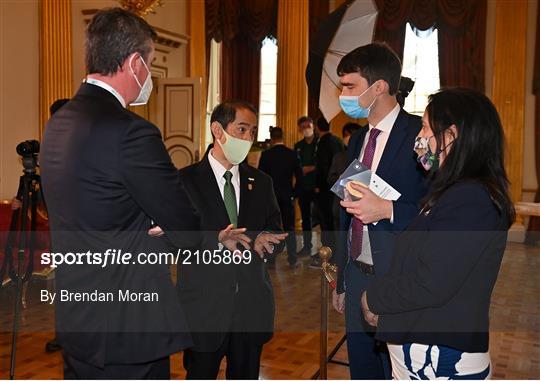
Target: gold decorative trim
(509,84)
(55,70)
(141,7)
(167,40)
(197,60)
(291,91)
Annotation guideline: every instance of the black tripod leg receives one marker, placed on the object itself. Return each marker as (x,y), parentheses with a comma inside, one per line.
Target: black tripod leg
(7,266)
(335,350)
(18,278)
(35,188)
(15,327)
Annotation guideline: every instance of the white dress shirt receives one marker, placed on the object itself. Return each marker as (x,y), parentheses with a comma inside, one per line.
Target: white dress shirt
(219,170)
(385,126)
(109,88)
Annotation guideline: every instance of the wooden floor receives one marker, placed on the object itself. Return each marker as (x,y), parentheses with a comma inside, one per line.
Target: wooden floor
(294,351)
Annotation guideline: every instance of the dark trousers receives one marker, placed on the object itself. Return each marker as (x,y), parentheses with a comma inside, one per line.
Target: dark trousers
(243,360)
(286,208)
(325,201)
(78,370)
(368,358)
(306,200)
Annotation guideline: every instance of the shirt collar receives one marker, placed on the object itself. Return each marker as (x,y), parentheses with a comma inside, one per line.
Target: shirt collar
(219,170)
(386,124)
(106,86)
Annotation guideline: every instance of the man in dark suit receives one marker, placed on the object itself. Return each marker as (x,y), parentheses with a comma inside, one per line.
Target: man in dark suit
(327,147)
(282,165)
(230,302)
(370,79)
(306,149)
(106,175)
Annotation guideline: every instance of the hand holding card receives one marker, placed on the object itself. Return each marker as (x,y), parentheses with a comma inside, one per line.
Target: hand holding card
(356,172)
(369,203)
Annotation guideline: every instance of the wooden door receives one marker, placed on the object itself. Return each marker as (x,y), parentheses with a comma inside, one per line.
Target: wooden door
(177,114)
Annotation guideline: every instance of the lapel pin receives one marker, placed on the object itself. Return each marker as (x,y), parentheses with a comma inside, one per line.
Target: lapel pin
(250,186)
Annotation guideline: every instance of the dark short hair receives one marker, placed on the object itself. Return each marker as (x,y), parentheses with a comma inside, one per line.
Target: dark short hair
(57,105)
(225,112)
(276,133)
(113,35)
(477,153)
(350,128)
(323,125)
(304,119)
(373,62)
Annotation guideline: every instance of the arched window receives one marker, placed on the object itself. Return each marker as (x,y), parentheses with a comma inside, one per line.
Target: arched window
(267,103)
(421,64)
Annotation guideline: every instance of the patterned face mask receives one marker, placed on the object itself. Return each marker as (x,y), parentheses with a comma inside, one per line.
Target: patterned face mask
(426,157)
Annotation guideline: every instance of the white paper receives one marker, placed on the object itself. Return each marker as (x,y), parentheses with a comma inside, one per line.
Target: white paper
(382,189)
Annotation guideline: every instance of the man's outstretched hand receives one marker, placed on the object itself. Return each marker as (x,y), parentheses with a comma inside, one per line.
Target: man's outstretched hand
(264,243)
(231,237)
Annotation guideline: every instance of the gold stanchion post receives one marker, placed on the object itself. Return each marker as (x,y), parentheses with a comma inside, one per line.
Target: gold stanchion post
(325,253)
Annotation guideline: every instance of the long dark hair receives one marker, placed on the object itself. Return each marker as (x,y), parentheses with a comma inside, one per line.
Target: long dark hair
(477,153)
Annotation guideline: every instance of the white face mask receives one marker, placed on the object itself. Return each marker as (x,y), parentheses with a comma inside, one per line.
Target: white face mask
(146,88)
(308,132)
(234,149)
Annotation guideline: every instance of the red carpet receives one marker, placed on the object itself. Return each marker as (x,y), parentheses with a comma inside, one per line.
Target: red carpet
(42,237)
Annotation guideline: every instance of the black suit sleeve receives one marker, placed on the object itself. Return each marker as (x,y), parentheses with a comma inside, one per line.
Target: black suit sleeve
(326,152)
(263,165)
(404,211)
(462,226)
(273,217)
(298,175)
(341,249)
(152,180)
(355,144)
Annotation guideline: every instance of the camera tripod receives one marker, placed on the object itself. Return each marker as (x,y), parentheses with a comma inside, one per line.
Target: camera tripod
(21,236)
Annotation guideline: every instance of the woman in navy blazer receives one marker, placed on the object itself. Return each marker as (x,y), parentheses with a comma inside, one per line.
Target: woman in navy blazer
(432,306)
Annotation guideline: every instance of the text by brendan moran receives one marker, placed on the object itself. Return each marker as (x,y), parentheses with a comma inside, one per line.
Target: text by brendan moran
(123,296)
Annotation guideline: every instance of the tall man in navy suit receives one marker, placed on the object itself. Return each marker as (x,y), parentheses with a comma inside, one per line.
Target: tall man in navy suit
(370,78)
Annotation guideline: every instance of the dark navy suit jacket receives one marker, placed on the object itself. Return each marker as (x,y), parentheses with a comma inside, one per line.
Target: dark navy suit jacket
(106,174)
(220,297)
(399,168)
(438,288)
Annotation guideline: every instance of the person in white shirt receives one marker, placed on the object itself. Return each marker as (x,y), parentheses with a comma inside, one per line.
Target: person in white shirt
(370,78)
(229,302)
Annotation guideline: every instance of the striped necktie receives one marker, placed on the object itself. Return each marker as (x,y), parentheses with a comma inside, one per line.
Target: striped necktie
(358,225)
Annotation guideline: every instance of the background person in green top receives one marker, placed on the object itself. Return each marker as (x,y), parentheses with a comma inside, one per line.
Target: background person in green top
(327,147)
(306,149)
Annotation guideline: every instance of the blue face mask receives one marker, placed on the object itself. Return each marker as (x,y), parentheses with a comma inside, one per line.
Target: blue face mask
(350,104)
